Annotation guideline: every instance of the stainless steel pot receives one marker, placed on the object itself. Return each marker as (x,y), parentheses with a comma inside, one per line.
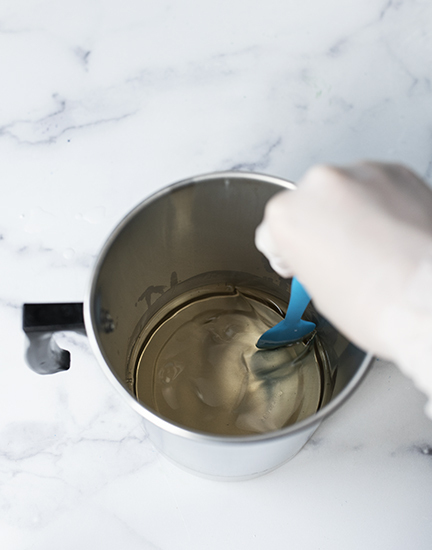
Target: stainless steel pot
(199,227)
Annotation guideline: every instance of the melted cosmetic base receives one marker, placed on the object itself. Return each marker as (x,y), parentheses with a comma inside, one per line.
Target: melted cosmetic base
(209,376)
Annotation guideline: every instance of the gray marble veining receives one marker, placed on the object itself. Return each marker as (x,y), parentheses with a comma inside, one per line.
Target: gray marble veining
(103,103)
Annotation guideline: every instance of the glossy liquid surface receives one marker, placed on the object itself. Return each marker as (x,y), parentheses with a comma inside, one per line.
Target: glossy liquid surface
(200,368)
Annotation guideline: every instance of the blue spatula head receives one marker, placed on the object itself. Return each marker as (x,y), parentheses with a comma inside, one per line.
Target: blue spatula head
(293,328)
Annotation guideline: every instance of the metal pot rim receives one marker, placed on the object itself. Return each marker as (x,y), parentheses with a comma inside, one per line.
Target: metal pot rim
(90,324)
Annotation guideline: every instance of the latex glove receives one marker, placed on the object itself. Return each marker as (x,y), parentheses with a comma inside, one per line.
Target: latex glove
(360,240)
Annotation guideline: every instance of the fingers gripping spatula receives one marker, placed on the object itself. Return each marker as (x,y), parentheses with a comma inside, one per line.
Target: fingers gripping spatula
(292,328)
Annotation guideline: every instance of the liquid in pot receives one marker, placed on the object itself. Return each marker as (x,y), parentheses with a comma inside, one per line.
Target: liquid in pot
(200,368)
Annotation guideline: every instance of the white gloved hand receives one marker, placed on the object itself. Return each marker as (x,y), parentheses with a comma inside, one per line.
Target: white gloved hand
(360,240)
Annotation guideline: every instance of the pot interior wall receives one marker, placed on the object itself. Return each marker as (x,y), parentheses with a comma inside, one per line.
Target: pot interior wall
(206,226)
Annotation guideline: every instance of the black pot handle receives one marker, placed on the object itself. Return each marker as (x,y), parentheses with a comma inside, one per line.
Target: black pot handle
(40,322)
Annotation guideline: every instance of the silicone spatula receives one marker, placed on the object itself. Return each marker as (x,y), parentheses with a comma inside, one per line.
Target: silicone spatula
(293,328)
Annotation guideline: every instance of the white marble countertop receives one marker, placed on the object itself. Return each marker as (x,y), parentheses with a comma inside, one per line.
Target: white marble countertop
(104,102)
